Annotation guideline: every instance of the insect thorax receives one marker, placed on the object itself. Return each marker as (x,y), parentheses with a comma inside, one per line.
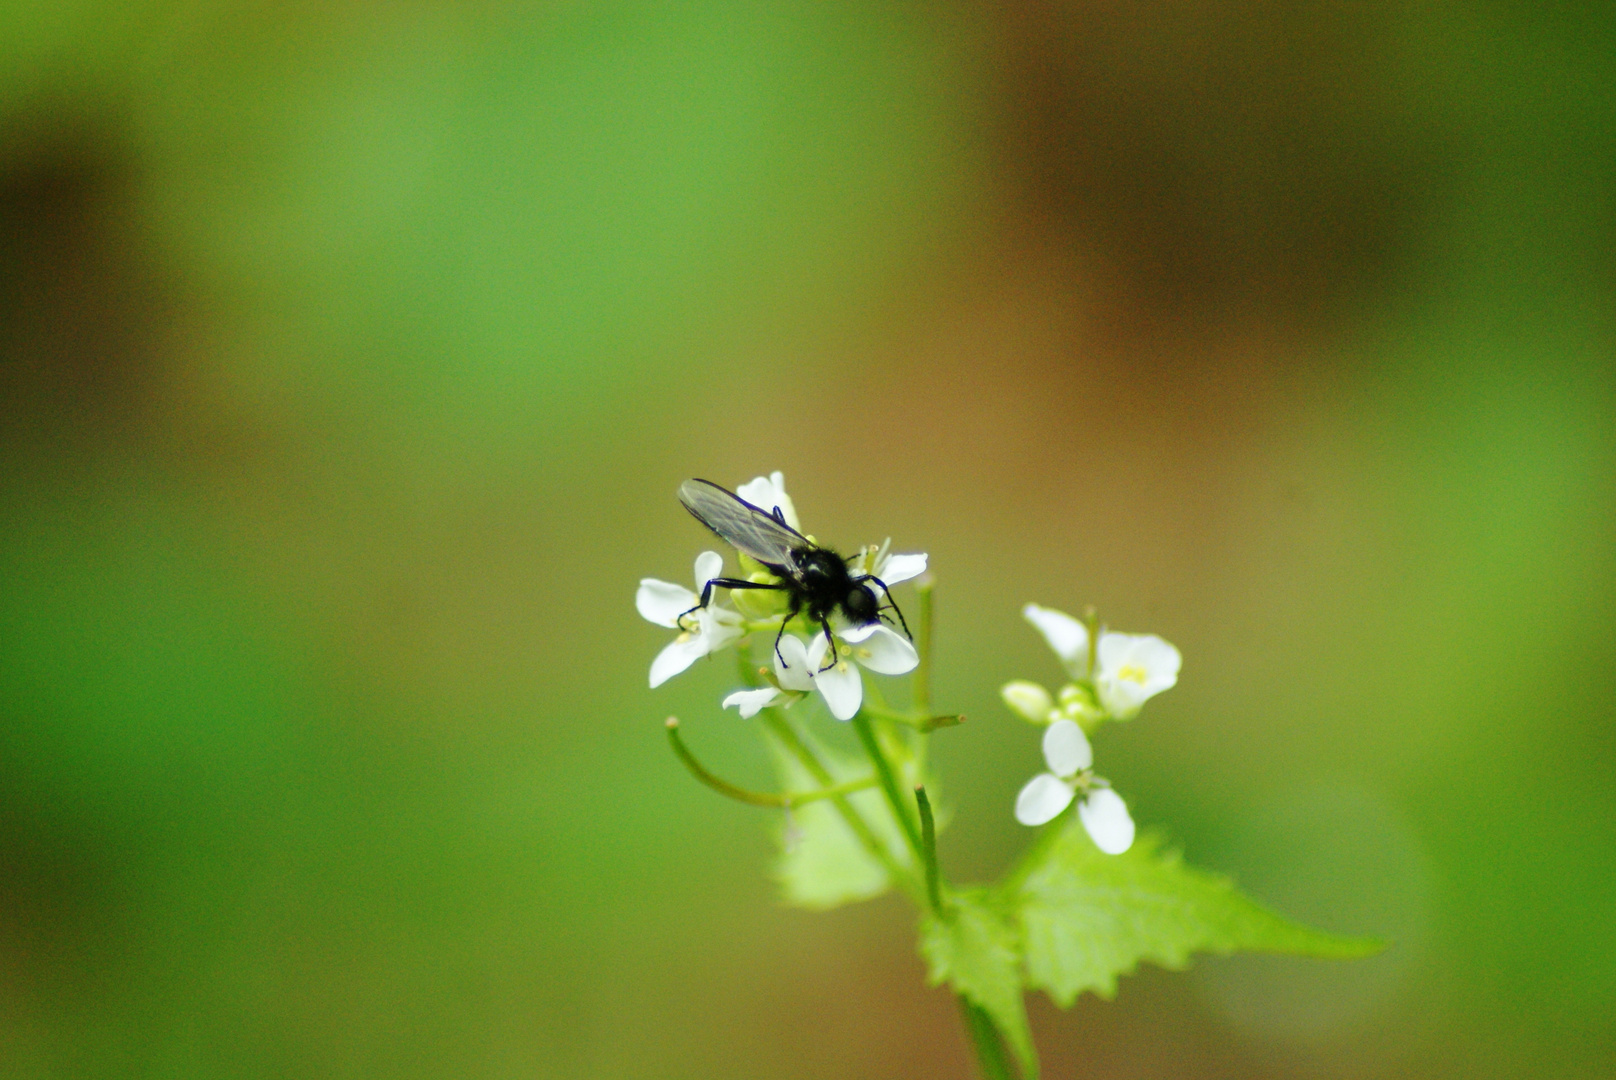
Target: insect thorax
(828,585)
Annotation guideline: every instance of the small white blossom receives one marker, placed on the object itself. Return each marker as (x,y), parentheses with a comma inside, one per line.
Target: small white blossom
(704,630)
(769,492)
(804,670)
(1130,669)
(1133,668)
(1047,795)
(881,564)
(793,680)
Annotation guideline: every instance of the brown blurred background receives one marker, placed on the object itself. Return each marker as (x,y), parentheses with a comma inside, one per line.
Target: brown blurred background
(350,356)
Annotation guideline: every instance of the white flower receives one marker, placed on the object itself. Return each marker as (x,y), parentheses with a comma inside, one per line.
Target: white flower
(886,567)
(704,630)
(1045,796)
(873,646)
(1132,669)
(769,492)
(793,680)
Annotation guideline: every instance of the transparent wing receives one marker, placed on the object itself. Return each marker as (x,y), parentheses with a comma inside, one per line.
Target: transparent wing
(750,529)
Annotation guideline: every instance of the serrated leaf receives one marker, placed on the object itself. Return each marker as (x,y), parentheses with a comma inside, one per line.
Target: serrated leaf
(822,863)
(975,948)
(1087,917)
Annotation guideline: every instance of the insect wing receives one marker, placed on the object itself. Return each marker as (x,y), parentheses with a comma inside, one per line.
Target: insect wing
(747,528)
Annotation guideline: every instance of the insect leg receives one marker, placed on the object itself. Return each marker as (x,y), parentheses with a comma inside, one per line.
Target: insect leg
(825,625)
(723,583)
(894,603)
(796,606)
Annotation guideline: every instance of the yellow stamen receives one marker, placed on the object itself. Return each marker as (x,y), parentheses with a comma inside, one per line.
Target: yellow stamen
(1133,673)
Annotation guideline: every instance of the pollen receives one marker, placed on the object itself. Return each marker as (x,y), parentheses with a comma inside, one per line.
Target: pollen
(1133,673)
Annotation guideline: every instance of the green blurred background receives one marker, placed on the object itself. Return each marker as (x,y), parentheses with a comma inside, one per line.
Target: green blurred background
(352,354)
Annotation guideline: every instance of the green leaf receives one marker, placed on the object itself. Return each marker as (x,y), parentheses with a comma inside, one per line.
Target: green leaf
(1087,917)
(974,947)
(822,863)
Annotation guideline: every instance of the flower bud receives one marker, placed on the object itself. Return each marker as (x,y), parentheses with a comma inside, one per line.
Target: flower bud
(1077,703)
(760,604)
(1029,701)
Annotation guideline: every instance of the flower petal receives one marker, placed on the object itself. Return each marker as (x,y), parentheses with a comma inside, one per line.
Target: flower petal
(769,492)
(751,702)
(1105,816)
(898,568)
(797,671)
(1042,799)
(718,627)
(883,650)
(662,602)
(1066,748)
(679,654)
(843,689)
(1133,668)
(709,564)
(1068,637)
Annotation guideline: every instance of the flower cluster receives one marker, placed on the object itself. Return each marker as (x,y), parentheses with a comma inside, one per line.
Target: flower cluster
(802,666)
(1112,676)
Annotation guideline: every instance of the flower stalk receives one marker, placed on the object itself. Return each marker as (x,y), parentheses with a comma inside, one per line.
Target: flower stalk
(976,939)
(928,850)
(771,800)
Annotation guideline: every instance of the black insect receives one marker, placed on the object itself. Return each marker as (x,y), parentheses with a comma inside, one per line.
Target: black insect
(816,579)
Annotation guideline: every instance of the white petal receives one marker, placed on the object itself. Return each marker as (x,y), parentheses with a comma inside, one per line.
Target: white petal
(858,633)
(709,564)
(1105,816)
(1122,698)
(717,627)
(769,492)
(901,568)
(885,651)
(1042,799)
(662,602)
(843,689)
(1133,668)
(1028,700)
(1068,637)
(1066,748)
(797,672)
(751,702)
(683,651)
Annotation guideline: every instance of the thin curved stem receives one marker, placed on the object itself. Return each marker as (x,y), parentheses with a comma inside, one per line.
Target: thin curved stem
(778,801)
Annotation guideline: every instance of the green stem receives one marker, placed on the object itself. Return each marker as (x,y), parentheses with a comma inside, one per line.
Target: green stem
(928,846)
(757,798)
(991,1055)
(889,782)
(922,679)
(782,730)
(1091,619)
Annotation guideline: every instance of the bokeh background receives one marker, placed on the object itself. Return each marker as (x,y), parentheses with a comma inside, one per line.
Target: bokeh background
(351,356)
